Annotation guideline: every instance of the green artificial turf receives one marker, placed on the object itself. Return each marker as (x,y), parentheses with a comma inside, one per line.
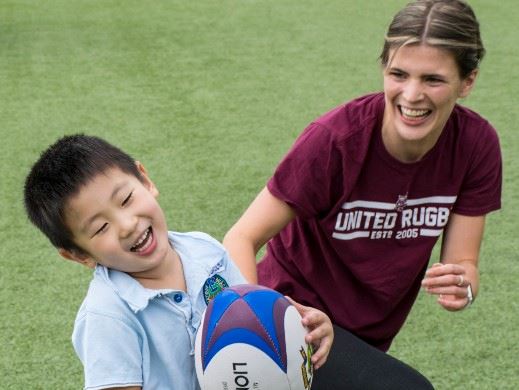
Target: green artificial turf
(209,95)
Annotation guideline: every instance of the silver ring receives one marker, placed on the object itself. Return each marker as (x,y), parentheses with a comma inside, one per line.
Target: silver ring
(462,279)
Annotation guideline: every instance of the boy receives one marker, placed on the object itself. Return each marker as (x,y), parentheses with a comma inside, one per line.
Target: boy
(137,324)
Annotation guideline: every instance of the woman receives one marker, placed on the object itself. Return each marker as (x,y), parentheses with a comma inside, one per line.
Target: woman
(353,211)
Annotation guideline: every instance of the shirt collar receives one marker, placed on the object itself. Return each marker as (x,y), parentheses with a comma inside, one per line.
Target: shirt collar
(201,258)
(127,288)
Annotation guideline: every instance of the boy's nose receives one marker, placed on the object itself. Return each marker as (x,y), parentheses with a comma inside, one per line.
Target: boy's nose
(127,225)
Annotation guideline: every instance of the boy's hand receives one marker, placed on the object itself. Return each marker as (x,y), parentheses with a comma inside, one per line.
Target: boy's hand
(320,332)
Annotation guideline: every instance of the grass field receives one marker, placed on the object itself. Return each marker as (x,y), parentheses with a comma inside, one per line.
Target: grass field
(209,96)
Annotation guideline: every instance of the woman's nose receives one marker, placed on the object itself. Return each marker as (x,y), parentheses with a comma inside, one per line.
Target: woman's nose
(413,91)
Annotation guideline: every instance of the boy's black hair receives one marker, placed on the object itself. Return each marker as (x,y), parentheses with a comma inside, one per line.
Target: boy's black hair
(59,173)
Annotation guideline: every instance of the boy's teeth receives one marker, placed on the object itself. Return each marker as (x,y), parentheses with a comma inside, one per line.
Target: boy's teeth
(141,243)
(413,113)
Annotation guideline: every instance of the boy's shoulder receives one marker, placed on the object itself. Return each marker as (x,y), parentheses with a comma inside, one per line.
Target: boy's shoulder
(203,259)
(197,246)
(104,295)
(194,238)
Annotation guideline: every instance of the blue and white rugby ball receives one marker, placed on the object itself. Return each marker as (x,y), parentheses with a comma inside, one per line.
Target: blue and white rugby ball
(251,337)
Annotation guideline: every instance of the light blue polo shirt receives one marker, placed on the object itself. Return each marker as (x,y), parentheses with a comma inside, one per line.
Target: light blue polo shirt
(128,335)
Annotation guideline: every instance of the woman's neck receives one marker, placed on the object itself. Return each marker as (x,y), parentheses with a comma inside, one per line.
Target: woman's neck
(405,151)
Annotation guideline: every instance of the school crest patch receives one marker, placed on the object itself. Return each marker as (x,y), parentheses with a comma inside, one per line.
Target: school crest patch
(213,286)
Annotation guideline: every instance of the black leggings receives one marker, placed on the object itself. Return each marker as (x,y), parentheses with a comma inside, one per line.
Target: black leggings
(355,365)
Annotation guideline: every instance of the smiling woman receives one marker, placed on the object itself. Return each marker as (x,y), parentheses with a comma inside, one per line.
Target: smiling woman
(353,211)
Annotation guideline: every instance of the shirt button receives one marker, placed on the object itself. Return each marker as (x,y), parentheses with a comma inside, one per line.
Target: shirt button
(177,298)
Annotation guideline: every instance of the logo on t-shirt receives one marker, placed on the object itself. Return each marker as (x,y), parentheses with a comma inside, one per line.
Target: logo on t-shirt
(408,218)
(213,286)
(401,202)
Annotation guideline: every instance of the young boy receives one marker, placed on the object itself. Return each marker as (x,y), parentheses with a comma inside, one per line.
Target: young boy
(137,324)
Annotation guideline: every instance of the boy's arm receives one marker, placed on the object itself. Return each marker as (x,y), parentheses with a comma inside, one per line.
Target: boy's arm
(110,351)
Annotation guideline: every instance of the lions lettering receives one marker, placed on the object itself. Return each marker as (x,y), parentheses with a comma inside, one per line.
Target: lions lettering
(241,379)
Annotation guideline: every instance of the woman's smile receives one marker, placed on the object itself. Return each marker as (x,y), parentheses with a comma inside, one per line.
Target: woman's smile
(421,87)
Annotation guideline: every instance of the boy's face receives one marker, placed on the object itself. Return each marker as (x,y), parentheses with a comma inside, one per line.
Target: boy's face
(117,221)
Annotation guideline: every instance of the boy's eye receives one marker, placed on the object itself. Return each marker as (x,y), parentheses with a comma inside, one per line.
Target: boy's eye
(101,229)
(127,199)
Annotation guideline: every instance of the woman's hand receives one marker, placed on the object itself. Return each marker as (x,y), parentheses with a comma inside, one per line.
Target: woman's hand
(450,279)
(320,332)
(450,283)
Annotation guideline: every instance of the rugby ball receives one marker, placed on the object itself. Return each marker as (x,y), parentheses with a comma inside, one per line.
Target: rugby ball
(251,337)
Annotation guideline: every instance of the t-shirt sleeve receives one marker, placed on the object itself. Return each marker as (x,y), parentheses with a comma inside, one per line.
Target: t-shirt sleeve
(110,350)
(481,188)
(308,176)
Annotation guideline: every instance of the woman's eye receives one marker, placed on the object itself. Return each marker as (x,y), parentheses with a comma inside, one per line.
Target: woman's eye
(127,199)
(434,80)
(397,75)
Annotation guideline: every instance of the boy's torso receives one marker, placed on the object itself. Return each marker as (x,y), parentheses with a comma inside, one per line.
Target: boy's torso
(127,334)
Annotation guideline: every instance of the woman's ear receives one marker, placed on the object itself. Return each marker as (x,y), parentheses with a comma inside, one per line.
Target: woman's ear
(146,179)
(80,258)
(468,83)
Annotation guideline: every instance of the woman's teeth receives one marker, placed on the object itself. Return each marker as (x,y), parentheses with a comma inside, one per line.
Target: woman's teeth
(143,241)
(413,114)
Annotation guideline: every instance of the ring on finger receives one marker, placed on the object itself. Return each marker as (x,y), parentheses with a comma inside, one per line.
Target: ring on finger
(462,279)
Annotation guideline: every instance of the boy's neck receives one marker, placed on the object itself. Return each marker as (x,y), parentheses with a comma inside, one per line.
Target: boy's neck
(170,275)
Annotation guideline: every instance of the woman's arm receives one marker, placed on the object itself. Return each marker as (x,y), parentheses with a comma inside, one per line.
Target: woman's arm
(262,220)
(459,262)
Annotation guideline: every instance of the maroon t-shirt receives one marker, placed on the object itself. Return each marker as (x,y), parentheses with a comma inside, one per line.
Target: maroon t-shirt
(366,223)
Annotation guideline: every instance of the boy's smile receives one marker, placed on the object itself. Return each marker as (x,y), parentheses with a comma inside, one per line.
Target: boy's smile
(116,219)
(146,243)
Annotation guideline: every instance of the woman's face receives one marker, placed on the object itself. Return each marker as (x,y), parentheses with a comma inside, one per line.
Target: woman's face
(421,86)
